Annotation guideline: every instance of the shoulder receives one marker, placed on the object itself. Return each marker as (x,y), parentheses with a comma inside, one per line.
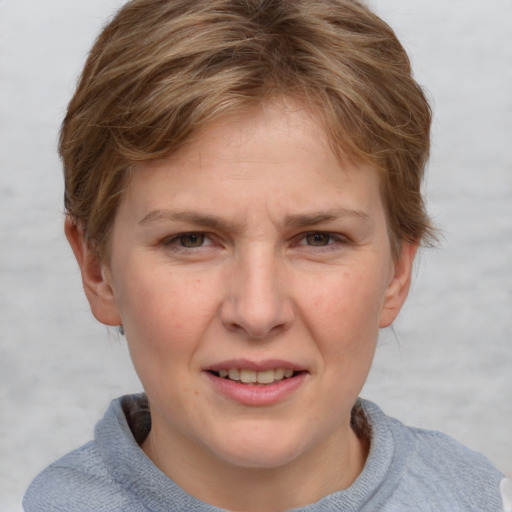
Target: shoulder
(80,482)
(437,469)
(85,480)
(453,473)
(442,452)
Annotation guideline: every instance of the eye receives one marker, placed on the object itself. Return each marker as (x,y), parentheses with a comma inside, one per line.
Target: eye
(316,242)
(191,240)
(318,239)
(183,241)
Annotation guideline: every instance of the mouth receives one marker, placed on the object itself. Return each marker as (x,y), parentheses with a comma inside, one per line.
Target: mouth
(248,376)
(257,383)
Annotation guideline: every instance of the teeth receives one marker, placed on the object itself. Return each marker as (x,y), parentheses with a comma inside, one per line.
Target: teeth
(248,376)
(252,376)
(279,374)
(234,374)
(265,377)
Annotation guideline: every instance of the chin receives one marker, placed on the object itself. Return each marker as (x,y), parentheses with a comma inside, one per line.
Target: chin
(263,450)
(260,459)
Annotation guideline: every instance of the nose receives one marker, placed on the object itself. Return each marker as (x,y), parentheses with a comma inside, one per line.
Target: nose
(256,303)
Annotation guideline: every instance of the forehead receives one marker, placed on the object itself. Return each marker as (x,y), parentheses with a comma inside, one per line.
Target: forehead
(277,157)
(240,135)
(250,134)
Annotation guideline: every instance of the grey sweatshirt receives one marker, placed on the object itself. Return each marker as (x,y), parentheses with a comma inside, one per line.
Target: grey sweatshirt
(407,470)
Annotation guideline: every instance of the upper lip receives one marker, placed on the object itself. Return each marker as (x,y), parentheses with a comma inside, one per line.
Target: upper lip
(258,366)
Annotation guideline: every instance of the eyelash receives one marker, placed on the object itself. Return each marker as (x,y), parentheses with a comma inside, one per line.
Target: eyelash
(176,242)
(334,241)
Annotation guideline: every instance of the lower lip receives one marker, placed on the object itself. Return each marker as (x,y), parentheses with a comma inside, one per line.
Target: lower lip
(257,394)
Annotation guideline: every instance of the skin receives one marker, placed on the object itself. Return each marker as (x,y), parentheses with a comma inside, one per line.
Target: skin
(289,259)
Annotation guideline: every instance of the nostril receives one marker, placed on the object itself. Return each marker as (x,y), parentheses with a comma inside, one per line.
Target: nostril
(256,315)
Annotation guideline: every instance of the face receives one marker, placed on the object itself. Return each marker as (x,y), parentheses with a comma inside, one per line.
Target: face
(251,272)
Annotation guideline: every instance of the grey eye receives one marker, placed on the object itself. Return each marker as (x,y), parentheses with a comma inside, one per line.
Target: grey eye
(318,239)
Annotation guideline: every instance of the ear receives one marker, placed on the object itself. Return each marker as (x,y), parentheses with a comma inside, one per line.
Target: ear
(398,287)
(95,276)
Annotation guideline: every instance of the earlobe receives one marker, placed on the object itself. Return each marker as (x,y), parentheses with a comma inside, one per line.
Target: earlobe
(398,287)
(95,276)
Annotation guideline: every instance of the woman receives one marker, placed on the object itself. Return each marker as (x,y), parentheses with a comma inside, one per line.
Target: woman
(243,200)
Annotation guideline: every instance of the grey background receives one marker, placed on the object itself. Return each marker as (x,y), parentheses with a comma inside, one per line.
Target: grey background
(446,365)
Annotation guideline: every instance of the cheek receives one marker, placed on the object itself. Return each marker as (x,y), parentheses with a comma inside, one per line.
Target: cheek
(164,312)
(164,320)
(345,327)
(346,307)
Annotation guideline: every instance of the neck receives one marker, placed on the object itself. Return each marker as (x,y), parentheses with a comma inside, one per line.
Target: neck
(327,468)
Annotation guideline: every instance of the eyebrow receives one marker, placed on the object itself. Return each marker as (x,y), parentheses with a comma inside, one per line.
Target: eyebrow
(311,219)
(191,217)
(213,222)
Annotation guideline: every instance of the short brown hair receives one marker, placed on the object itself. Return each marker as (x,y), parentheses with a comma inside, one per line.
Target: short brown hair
(162,69)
